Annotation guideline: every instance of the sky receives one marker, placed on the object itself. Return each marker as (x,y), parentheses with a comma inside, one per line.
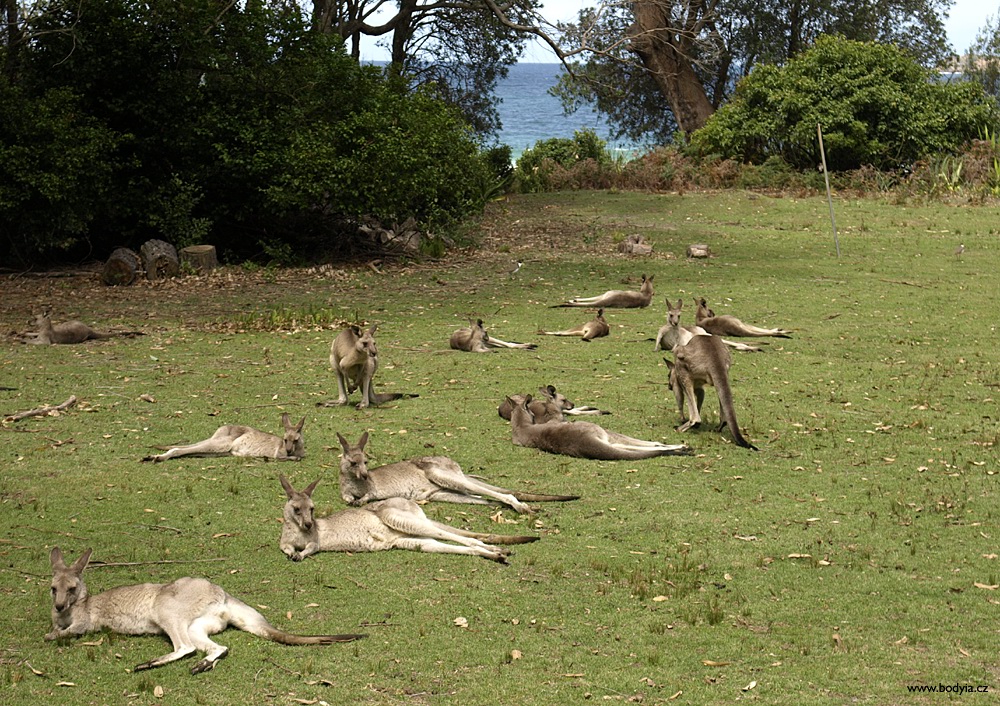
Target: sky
(965,19)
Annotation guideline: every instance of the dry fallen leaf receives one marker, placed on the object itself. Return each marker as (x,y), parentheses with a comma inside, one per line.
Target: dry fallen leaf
(515,654)
(147,398)
(671,698)
(158,691)
(987,586)
(660,599)
(750,686)
(712,663)
(65,683)
(461,622)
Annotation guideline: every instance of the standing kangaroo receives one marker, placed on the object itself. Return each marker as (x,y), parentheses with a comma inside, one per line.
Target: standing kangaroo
(726,325)
(354,359)
(238,440)
(396,523)
(187,611)
(704,360)
(71,332)
(595,328)
(673,334)
(617,298)
(474,339)
(581,439)
(551,406)
(423,479)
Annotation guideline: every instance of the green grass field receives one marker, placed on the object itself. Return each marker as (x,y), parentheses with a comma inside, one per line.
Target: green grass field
(854,558)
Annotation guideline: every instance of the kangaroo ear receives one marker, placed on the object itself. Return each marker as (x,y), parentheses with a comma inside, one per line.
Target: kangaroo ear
(80,564)
(344,444)
(680,303)
(311,487)
(56,558)
(670,363)
(372,329)
(363,441)
(286,421)
(289,490)
(527,400)
(479,323)
(302,423)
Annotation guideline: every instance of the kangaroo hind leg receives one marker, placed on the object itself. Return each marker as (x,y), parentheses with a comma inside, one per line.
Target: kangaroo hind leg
(433,546)
(183,644)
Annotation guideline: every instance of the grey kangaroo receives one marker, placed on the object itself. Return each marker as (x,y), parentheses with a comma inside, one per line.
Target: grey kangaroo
(704,360)
(617,298)
(595,328)
(673,334)
(422,479)
(186,610)
(474,339)
(396,523)
(354,359)
(71,332)
(726,325)
(581,439)
(238,440)
(551,406)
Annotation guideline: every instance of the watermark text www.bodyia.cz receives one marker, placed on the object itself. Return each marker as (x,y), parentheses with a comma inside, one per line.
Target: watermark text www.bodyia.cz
(949,688)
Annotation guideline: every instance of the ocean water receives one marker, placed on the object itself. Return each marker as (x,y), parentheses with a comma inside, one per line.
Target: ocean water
(529,113)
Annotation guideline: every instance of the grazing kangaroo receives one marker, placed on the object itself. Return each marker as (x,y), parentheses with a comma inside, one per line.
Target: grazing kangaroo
(581,439)
(595,328)
(726,325)
(396,523)
(551,406)
(474,339)
(354,359)
(673,334)
(617,298)
(187,611)
(71,332)
(704,360)
(422,479)
(238,440)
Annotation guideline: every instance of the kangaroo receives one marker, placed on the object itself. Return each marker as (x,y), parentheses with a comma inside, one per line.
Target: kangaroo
(423,479)
(551,406)
(71,332)
(704,360)
(673,334)
(726,325)
(187,611)
(617,299)
(581,439)
(474,339)
(238,440)
(354,359)
(595,328)
(395,523)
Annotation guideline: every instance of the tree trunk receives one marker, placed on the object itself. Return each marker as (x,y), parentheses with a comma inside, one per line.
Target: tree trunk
(122,268)
(666,51)
(201,258)
(160,259)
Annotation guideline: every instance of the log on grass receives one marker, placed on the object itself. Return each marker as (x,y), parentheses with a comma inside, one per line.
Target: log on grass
(200,258)
(160,259)
(122,268)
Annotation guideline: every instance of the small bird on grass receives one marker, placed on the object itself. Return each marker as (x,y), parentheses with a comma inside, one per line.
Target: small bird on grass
(959,250)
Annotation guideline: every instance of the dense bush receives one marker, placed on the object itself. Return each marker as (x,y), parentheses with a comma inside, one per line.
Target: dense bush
(171,120)
(552,164)
(876,105)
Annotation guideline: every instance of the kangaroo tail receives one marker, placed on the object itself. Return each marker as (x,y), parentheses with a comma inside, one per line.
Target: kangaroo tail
(727,411)
(506,538)
(542,498)
(383,397)
(246,618)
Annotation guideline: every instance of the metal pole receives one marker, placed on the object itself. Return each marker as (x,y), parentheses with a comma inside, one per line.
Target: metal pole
(829,198)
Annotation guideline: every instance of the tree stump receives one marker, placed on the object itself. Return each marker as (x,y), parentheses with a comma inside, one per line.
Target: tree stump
(160,259)
(200,258)
(122,268)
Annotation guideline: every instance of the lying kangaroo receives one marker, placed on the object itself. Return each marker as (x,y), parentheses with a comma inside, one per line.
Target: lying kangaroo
(726,325)
(595,328)
(238,440)
(354,358)
(422,479)
(71,332)
(551,406)
(581,439)
(396,523)
(704,360)
(474,339)
(618,299)
(673,334)
(187,611)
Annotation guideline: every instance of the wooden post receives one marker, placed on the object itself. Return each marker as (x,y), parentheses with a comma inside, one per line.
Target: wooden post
(829,198)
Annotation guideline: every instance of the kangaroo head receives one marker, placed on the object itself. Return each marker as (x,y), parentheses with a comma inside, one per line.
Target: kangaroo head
(366,341)
(674,313)
(294,443)
(68,587)
(353,462)
(557,398)
(299,507)
(600,315)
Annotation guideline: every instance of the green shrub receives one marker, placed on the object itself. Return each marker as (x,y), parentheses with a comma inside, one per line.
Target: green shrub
(544,166)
